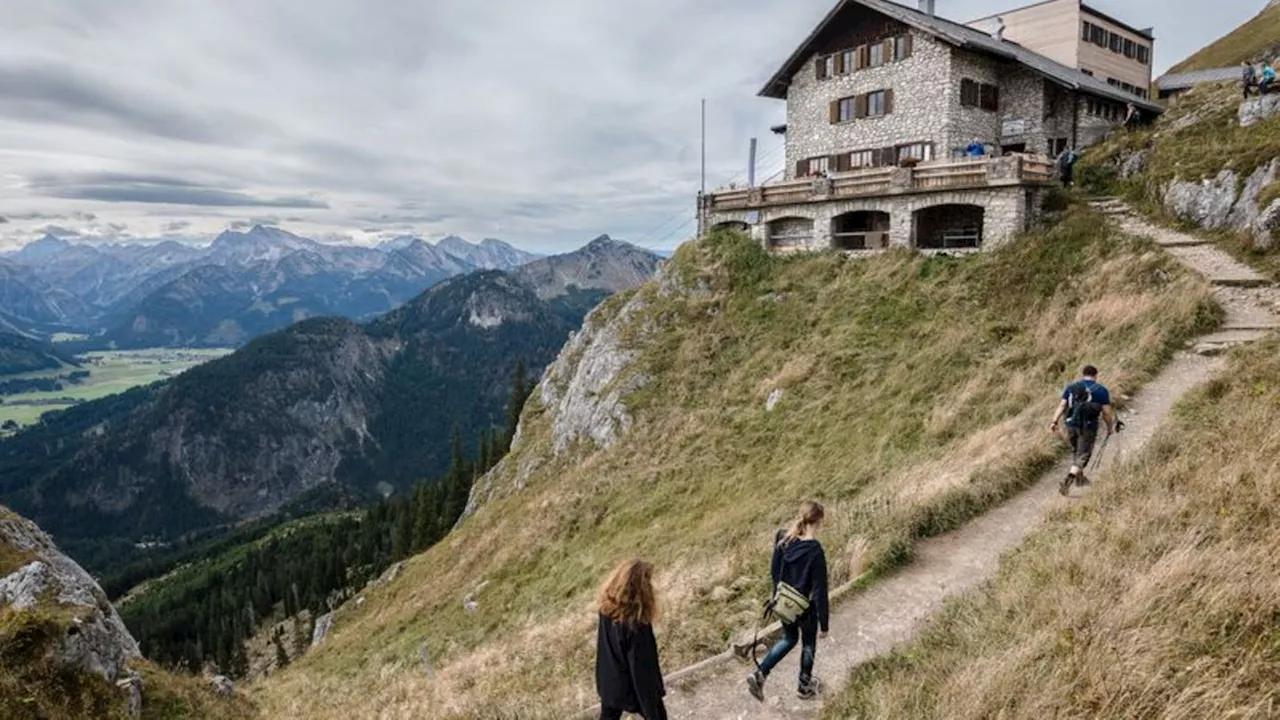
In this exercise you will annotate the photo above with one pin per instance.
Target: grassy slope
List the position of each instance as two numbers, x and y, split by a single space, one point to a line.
1155 597
1199 137
916 391
1251 41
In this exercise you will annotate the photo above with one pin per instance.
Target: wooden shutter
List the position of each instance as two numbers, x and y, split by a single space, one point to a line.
888 101
820 68
888 51
840 68
841 162
860 106
909 45
866 55
802 168
888 157
834 111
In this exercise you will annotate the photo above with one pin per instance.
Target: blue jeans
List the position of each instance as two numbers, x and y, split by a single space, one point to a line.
804 631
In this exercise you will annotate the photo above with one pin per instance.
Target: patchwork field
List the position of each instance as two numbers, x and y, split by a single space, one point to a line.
110 372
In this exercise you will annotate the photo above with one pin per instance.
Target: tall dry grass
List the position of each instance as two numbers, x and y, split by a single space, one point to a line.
915 394
1158 597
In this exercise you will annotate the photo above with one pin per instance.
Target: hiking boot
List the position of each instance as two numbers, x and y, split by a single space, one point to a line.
1065 486
808 689
755 684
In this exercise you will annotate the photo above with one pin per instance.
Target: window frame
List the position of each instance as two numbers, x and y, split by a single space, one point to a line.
851 104
875 55
906 150
883 97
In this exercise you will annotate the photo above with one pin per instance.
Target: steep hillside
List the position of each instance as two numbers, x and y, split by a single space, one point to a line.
686 421
1156 597
64 653
20 354
325 401
1208 163
1256 39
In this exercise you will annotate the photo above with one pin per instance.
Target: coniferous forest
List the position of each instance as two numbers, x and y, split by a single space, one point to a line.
199 617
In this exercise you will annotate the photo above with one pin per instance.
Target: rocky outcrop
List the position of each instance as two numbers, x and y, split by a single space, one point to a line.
96 640
1255 110
324 624
584 388
1223 202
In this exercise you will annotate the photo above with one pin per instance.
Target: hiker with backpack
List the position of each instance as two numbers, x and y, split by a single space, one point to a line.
799 571
1086 405
628 675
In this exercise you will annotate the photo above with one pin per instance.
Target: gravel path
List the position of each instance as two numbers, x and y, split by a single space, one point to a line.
895 608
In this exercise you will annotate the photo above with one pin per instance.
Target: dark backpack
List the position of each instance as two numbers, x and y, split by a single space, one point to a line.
1083 411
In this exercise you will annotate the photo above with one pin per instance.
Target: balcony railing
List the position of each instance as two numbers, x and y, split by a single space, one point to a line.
924 177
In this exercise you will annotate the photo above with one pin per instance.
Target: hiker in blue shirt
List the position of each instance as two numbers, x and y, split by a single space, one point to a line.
976 149
1086 405
1268 78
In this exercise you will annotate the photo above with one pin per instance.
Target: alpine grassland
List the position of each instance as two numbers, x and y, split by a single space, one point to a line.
909 394
1155 597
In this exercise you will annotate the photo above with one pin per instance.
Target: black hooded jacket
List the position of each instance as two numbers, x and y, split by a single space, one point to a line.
802 564
628 676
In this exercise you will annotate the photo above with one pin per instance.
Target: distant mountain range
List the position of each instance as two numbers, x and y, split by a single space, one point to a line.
240 286
326 404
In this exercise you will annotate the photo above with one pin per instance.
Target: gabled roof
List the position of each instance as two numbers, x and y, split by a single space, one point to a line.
961 36
1182 81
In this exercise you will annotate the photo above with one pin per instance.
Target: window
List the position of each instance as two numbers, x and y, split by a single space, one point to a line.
877 103
876 55
862 159
1097 36
825 66
1057 146
922 151
812 166
1117 43
902 46
846 62
1084 33
1087 72
979 95
1130 48
846 109
1144 54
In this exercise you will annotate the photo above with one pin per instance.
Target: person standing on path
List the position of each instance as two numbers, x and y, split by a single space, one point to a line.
1086 404
1248 77
1066 166
628 675
800 567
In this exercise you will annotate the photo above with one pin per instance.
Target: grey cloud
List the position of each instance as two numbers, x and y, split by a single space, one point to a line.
3 220
118 227
265 220
240 224
115 187
177 225
60 94
60 231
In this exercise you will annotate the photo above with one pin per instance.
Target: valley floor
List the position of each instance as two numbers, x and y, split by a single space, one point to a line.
896 608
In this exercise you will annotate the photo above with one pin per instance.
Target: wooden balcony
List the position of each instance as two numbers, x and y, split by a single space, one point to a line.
934 176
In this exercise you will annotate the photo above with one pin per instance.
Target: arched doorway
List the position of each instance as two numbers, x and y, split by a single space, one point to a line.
860 230
732 226
949 226
791 233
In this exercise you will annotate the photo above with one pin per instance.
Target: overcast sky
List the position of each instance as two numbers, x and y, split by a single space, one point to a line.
543 122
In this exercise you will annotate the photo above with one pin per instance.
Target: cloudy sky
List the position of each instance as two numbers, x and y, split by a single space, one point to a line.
543 122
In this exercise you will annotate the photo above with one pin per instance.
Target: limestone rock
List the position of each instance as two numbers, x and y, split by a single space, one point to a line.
131 686
324 624
222 685
1246 209
721 594
774 398
1208 202
96 641
1255 110
1266 225
584 388
1133 163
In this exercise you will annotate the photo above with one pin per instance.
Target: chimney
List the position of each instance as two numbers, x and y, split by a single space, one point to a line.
926 7
998 33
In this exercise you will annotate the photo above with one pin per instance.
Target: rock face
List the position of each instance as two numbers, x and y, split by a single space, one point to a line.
96 641
324 624
585 386
1216 204
1255 110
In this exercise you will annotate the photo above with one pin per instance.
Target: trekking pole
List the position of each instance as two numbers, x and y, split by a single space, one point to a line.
1096 462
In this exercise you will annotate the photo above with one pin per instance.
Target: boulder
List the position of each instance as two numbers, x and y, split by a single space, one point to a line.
1255 110
222 685
96 640
1266 225
1133 163
772 401
1246 209
1207 202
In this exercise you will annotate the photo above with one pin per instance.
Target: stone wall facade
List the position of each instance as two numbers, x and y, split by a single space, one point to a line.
1033 112
1007 211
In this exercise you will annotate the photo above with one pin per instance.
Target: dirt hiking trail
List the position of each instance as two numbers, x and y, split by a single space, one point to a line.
895 608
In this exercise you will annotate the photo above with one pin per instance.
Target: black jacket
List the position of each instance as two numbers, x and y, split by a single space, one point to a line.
803 565
627 673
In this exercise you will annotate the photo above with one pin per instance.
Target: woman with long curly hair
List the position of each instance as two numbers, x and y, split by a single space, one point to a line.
628 676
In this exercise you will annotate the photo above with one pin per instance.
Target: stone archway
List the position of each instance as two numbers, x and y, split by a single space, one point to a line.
791 233
860 230
732 225
948 227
